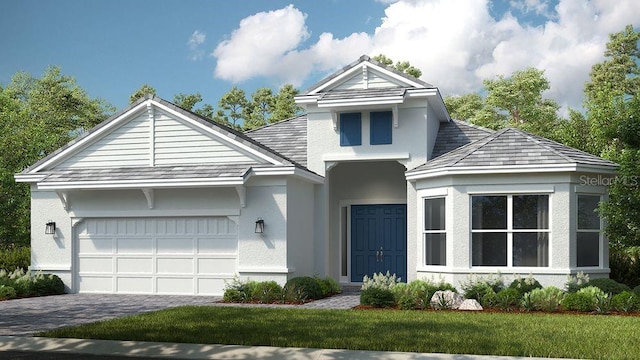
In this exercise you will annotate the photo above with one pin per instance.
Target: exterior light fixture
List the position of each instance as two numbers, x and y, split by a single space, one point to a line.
50 228
259 226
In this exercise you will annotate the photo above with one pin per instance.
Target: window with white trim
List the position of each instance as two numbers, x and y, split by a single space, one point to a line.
510 230
434 234
588 237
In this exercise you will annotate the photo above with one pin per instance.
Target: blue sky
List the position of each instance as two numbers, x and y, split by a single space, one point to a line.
112 47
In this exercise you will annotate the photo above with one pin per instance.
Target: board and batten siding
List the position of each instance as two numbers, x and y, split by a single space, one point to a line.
374 81
170 142
128 145
177 143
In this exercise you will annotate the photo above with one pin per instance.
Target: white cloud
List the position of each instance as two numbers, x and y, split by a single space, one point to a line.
456 43
195 41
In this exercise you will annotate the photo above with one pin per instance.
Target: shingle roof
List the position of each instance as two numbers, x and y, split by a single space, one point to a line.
512 147
362 59
454 134
287 137
148 173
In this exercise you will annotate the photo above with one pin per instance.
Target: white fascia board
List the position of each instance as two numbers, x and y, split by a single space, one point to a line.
137 184
393 75
424 92
286 171
306 99
361 102
91 137
338 78
367 157
223 137
479 170
29 178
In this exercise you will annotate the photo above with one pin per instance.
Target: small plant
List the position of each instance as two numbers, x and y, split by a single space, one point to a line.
603 303
380 280
507 299
626 301
608 286
545 299
575 283
525 285
7 292
489 299
328 285
478 287
377 297
15 257
308 285
267 292
636 290
239 291
586 299
294 294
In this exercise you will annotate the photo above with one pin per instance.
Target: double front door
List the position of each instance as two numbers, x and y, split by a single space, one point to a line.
378 240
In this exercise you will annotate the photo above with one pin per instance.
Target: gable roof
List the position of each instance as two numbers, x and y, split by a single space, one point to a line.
47 175
454 134
287 137
511 150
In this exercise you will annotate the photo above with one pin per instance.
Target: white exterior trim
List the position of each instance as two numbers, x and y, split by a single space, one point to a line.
287 270
135 184
505 169
45 267
82 214
364 157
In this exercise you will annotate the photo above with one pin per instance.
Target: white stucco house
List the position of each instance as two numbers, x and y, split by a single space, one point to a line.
375 177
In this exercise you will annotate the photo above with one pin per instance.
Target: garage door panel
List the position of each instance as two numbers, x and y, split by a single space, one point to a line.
136 265
96 265
134 245
175 285
93 245
96 283
219 245
131 284
175 266
175 246
156 255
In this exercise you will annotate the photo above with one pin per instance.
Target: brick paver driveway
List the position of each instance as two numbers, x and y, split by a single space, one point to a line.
27 316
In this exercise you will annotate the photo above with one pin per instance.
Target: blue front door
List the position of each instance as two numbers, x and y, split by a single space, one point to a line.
378 240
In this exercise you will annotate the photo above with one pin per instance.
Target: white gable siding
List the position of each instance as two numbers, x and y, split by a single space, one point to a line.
374 80
127 145
178 143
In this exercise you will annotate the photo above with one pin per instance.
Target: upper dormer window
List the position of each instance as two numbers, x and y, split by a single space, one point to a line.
350 129
381 125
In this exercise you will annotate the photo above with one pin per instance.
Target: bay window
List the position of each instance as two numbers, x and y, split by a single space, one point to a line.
510 230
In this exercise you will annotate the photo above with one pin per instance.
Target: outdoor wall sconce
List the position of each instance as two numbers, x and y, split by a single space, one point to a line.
259 226
50 229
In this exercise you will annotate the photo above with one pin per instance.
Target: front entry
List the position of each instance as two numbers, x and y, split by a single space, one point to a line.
378 240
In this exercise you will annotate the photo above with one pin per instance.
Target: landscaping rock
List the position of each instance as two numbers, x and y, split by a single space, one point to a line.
471 305
446 299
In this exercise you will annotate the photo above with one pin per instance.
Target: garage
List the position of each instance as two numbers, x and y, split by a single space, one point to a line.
177 255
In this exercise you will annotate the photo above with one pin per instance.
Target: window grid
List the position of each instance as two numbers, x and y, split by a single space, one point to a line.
510 230
440 258
579 261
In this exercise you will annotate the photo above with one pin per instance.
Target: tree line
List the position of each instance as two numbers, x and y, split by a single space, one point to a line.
39 115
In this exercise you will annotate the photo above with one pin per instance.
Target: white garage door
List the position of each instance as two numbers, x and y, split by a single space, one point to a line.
156 255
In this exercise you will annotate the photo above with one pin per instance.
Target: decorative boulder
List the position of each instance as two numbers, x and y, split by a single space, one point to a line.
471 305
446 299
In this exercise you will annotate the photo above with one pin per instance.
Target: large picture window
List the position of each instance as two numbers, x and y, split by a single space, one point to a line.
435 237
510 230
588 231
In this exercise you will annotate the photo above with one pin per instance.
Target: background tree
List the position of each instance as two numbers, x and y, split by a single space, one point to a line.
143 91
231 107
189 101
472 108
258 111
402 66
37 116
284 106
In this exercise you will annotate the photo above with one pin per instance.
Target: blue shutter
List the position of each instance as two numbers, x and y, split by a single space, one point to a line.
381 127
350 129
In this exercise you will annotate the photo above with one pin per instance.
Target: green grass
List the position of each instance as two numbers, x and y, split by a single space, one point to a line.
528 334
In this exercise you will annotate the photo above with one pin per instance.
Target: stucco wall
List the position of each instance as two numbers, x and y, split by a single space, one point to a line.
300 227
457 190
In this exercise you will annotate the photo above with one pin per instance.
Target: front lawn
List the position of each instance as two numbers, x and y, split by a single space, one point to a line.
517 334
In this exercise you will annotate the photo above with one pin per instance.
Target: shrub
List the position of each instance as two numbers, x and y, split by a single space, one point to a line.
380 280
489 299
578 302
307 285
294 294
267 292
608 286
525 285
626 301
507 299
575 283
15 257
7 292
636 290
233 296
239 291
545 299
47 284
328 285
625 265
478 287
377 297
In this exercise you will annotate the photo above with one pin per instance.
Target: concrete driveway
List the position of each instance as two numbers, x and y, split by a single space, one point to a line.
22 317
